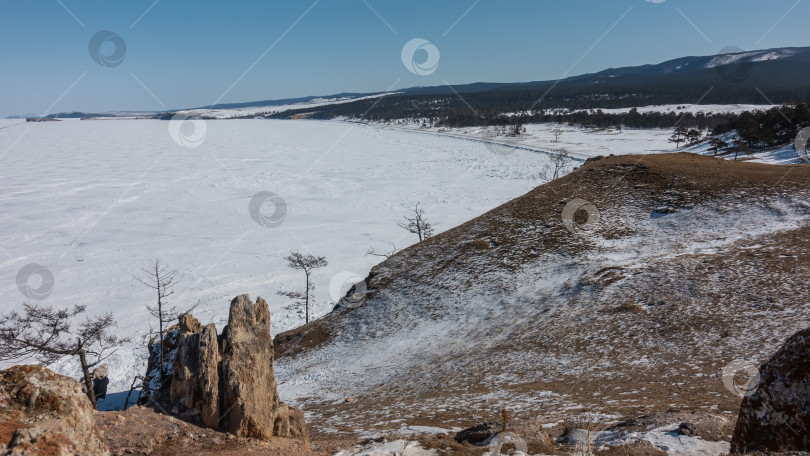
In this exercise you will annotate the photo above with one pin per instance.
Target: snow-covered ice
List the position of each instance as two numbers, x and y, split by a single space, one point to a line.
94 201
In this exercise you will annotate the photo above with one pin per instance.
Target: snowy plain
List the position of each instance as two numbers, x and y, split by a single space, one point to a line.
95 201
583 143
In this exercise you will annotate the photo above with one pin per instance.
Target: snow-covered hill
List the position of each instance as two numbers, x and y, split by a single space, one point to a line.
625 287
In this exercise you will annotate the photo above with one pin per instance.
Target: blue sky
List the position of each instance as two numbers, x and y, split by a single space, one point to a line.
193 53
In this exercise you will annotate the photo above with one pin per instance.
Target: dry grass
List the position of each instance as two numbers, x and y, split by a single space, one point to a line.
587 342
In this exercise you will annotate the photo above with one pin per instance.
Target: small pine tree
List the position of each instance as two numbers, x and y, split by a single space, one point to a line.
678 135
717 144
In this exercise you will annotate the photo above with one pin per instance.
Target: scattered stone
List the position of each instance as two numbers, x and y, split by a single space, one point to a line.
477 434
687 429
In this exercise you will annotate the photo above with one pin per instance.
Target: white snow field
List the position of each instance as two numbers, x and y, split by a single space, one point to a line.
583 143
270 109
96 201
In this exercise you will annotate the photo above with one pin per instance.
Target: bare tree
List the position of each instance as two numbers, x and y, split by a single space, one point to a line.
161 279
305 263
557 133
386 254
44 333
417 224
559 160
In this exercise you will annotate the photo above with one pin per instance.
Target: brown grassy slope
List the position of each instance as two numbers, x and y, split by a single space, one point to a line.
625 318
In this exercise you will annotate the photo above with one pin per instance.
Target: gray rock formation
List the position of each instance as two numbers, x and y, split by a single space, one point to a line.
100 381
209 376
249 397
42 412
228 380
775 417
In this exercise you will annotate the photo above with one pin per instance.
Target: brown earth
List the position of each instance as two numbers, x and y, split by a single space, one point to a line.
143 431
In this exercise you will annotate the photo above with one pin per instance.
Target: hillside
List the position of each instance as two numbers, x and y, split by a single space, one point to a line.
728 78
694 262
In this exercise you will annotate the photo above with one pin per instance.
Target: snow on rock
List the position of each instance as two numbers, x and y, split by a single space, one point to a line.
667 439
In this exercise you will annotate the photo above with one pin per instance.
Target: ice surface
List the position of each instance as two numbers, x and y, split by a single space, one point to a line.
94 201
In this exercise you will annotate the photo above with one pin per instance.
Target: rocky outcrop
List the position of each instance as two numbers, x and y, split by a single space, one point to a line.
776 415
227 381
184 387
209 376
43 413
249 401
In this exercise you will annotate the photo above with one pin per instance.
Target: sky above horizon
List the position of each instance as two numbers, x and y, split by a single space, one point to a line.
98 56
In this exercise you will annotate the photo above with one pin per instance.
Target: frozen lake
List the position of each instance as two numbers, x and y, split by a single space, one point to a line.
96 201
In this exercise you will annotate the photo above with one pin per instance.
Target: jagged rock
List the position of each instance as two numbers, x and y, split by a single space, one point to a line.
290 423
43 413
209 376
228 380
249 396
776 416
185 383
155 386
189 324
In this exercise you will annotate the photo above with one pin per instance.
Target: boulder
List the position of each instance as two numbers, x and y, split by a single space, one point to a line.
249 397
477 434
775 417
289 422
42 413
101 379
